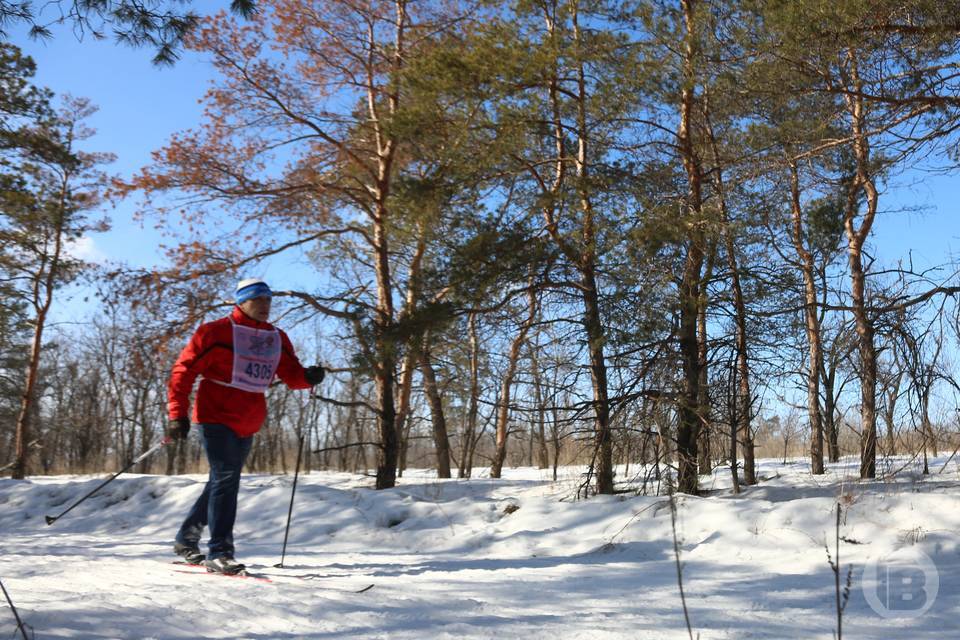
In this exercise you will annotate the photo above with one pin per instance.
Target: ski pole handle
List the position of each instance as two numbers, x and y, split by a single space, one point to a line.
149 452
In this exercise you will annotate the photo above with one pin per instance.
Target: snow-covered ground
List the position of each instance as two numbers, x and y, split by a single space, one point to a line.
513 558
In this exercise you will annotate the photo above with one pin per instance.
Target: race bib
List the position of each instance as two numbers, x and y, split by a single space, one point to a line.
256 354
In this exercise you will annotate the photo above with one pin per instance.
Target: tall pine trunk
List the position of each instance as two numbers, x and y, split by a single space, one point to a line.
830 427
856 237
22 432
587 265
384 364
743 418
441 441
688 429
603 440
543 455
812 324
384 358
704 462
506 386
405 385
582 252
473 406
41 300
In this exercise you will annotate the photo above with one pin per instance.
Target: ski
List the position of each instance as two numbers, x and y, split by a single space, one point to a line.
184 563
313 577
243 575
320 581
261 577
363 589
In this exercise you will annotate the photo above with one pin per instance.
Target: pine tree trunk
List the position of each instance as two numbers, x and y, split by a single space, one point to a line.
503 409
705 467
388 452
689 424
812 323
441 441
831 430
466 453
688 429
403 406
582 252
22 431
603 440
587 265
543 455
856 237
744 399
41 299
734 462
384 361
868 385
410 357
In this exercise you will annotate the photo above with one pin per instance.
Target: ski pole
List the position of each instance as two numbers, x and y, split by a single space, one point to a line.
290 510
167 440
16 614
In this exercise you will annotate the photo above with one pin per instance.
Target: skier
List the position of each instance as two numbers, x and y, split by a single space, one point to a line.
237 357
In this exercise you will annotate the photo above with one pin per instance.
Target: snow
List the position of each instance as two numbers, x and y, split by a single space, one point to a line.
481 558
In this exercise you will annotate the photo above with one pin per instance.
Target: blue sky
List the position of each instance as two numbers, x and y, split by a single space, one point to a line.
932 232
140 106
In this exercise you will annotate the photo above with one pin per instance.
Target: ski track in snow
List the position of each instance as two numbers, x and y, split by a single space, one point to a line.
449 561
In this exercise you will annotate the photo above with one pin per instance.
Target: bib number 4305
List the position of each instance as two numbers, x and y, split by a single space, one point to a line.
258 371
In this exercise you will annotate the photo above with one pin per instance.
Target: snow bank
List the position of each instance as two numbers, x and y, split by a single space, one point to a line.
485 558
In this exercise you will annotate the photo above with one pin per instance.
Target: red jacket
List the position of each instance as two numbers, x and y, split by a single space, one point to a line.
210 354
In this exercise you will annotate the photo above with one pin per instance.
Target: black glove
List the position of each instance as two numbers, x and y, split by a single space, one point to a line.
314 375
178 429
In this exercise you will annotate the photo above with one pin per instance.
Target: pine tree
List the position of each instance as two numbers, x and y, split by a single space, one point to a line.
47 189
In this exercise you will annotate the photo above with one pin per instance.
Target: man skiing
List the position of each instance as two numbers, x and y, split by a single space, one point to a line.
236 357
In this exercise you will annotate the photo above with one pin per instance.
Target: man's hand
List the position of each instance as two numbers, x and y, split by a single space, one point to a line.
314 375
178 429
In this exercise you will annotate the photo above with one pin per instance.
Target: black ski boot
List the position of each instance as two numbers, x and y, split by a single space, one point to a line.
190 554
226 565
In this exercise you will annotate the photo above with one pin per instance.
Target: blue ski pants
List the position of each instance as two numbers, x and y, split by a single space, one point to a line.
217 505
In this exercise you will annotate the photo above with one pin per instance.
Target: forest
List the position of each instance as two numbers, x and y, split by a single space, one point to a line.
632 235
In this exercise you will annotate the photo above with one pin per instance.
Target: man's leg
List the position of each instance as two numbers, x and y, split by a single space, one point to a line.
226 453
187 541
192 527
